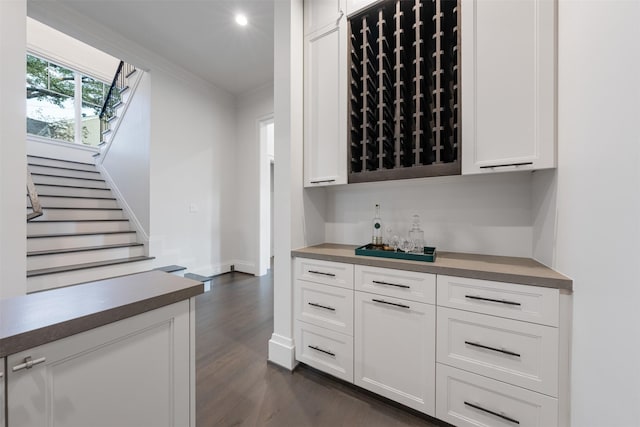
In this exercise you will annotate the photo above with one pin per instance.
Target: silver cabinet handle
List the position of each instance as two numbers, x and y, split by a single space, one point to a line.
501 301
381 301
486 347
28 363
316 348
488 411
326 307
379 282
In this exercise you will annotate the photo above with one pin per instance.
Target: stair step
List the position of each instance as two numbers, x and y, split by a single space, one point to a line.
76 214
112 118
65 172
49 161
124 89
131 73
106 132
76 202
38 226
47 179
70 191
74 162
43 242
69 257
178 270
49 278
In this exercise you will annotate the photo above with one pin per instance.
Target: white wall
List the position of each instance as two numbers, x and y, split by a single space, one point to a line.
489 214
13 165
127 159
598 197
50 43
192 171
251 108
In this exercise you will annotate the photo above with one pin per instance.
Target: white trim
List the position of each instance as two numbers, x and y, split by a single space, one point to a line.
125 206
125 106
244 266
282 351
213 270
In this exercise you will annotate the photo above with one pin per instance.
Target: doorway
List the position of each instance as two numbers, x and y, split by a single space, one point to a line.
266 126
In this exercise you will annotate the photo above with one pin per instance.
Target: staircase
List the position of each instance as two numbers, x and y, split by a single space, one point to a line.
83 234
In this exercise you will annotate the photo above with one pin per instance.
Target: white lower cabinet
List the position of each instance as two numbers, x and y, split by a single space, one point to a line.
466 399
394 349
2 387
131 373
469 352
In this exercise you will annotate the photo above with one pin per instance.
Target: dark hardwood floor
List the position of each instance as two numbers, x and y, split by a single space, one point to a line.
236 386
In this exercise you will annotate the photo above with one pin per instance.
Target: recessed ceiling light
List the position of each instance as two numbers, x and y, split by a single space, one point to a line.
241 19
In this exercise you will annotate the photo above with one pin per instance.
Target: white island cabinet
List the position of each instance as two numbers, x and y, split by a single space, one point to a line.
325 93
2 388
134 372
508 71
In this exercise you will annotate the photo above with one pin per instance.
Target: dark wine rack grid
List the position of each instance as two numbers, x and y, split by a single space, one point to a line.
404 114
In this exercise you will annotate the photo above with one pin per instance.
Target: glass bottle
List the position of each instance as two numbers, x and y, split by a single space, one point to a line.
377 228
417 235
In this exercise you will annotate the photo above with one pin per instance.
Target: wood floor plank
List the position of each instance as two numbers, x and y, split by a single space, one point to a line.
236 386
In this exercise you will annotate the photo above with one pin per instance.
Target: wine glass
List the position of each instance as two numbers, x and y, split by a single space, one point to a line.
406 245
394 242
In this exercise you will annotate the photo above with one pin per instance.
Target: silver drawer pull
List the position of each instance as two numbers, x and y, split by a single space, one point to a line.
322 273
390 303
500 301
28 363
506 165
316 348
326 307
378 282
500 350
322 180
497 414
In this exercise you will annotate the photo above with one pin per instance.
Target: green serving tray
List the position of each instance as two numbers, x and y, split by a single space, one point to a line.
429 254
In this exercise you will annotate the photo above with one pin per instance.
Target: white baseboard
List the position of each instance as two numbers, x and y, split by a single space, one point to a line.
282 351
245 267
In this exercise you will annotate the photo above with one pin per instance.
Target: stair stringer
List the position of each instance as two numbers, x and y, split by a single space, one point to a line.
128 212
133 86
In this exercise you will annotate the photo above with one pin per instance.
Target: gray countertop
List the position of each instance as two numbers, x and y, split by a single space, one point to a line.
525 271
32 320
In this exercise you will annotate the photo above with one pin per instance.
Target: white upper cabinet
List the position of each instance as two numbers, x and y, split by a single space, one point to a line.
508 85
356 5
325 93
319 14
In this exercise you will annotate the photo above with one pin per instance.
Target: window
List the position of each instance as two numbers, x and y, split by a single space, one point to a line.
62 103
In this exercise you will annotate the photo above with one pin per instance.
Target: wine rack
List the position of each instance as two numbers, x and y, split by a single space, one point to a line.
404 115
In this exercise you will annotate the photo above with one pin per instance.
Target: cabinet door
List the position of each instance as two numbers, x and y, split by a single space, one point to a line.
394 352
508 85
325 106
2 386
134 372
319 14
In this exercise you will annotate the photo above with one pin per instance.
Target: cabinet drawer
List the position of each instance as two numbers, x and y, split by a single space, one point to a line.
328 351
520 353
466 399
420 287
325 272
326 306
521 302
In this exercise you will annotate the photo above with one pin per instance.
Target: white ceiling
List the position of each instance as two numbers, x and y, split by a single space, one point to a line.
198 35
